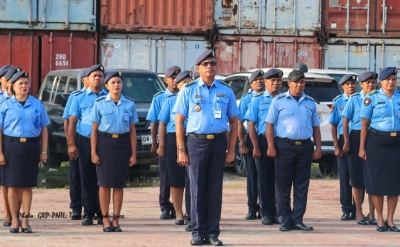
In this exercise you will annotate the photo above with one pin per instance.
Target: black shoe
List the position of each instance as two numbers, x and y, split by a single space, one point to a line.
100 221
284 227
76 217
188 226
173 214
87 221
165 214
381 228
251 216
26 230
259 215
7 223
266 220
362 222
214 241
179 222
353 215
371 221
108 229
303 227
275 220
14 230
117 229
196 241
391 228
345 216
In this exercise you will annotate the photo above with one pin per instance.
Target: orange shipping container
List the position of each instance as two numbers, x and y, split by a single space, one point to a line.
157 16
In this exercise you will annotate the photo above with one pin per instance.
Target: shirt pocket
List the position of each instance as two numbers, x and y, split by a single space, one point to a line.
11 115
86 108
106 116
382 110
263 111
222 103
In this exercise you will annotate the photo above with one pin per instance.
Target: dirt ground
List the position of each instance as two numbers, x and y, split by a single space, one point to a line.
142 227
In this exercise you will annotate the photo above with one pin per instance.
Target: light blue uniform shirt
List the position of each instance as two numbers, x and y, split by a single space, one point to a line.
23 121
352 110
114 119
292 119
336 116
383 112
4 95
81 108
156 105
244 104
258 111
216 105
68 106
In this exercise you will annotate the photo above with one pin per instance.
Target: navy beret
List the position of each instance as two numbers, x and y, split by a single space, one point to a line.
96 67
386 72
300 66
184 74
20 74
112 74
204 56
11 72
196 75
296 75
4 69
365 76
273 73
348 77
255 74
172 71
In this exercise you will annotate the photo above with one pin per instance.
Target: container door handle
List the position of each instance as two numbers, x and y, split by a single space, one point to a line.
273 16
384 16
347 55
369 54
348 17
383 54
294 17
368 13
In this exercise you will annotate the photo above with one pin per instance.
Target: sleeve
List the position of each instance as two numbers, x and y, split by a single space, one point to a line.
242 108
315 118
232 105
333 118
182 102
67 107
164 113
75 109
2 115
348 110
252 111
95 116
134 118
44 118
367 108
153 112
273 113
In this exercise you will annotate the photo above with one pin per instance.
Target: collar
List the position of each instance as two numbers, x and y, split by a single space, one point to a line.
15 101
345 96
121 99
167 92
267 94
201 83
289 95
89 91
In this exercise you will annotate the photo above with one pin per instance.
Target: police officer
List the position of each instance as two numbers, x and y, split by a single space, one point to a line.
208 105
348 83
293 119
74 173
23 138
80 110
3 80
246 147
256 114
167 148
351 113
380 146
113 143
7 92
167 209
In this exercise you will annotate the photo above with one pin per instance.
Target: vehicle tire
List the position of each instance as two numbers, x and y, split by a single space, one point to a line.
328 165
239 162
53 160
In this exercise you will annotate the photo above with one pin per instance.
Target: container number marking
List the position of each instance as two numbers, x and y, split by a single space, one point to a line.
302 53
61 60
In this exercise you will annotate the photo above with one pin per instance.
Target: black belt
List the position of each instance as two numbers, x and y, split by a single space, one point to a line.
295 142
114 136
356 131
382 133
84 138
207 136
21 139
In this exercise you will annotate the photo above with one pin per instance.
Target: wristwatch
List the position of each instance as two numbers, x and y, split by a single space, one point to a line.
182 149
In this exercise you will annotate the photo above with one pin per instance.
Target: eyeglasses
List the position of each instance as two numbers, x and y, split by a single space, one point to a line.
350 83
212 63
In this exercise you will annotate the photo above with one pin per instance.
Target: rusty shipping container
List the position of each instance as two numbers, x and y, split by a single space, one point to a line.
361 18
153 52
40 52
242 53
48 15
157 16
268 17
360 55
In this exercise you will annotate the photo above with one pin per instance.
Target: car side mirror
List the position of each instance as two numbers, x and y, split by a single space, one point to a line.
61 99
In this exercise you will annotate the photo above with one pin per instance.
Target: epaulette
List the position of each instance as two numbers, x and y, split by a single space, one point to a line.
79 92
75 92
100 98
192 82
172 95
226 84
258 94
129 98
4 100
281 95
372 92
337 97
311 98
158 93
354 94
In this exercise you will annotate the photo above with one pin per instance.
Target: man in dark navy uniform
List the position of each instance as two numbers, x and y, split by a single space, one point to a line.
208 105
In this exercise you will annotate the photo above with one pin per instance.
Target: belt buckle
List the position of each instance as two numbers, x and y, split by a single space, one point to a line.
210 137
393 134
115 136
297 143
22 139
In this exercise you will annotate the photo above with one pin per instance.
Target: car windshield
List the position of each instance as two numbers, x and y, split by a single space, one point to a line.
141 87
320 91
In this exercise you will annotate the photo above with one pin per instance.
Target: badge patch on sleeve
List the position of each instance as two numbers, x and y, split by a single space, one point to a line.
367 101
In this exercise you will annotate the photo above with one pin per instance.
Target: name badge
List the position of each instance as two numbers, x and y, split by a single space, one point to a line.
126 117
217 113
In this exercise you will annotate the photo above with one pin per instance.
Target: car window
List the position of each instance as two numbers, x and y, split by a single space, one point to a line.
45 96
72 84
141 87
320 91
237 84
59 88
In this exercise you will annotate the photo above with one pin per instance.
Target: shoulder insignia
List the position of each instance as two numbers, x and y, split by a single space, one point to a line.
4 100
226 84
172 95
309 97
354 94
280 95
367 101
100 98
190 82
158 93
337 97
258 94
372 92
247 94
79 92
128 98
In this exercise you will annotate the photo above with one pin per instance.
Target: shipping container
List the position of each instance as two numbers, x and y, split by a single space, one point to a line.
242 53
157 16
151 52
360 55
72 15
359 18
40 52
268 17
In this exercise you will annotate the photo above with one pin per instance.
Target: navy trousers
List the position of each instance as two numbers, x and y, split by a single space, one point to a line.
89 187
206 172
187 195
266 179
292 167
251 173
346 194
75 186
165 193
